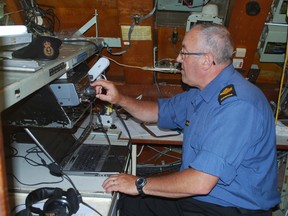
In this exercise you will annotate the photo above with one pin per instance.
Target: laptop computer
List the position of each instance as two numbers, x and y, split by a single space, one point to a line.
75 158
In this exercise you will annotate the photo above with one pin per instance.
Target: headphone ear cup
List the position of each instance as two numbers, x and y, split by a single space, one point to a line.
39 195
58 202
56 206
24 212
66 203
73 199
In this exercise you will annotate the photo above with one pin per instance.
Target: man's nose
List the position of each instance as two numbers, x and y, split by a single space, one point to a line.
179 58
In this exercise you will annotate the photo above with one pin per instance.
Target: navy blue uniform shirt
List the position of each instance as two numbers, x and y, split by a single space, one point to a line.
229 132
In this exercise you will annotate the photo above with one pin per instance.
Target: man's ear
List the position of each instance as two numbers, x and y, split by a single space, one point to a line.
208 61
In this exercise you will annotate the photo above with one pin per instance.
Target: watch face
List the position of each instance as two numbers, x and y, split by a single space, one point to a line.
140 181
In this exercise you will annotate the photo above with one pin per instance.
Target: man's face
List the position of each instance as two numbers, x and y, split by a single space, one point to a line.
190 58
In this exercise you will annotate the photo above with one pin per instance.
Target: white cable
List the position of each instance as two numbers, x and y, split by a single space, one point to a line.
140 152
158 69
163 153
103 76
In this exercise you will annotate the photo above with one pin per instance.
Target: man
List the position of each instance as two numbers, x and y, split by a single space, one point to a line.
229 164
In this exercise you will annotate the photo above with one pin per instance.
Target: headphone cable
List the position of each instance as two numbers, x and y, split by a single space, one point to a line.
79 195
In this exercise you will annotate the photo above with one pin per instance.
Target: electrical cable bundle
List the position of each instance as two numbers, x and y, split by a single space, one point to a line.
38 21
152 169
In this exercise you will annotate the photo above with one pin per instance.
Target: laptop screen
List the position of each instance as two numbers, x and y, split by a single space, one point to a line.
58 144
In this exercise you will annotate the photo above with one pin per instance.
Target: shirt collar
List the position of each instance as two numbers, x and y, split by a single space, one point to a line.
215 85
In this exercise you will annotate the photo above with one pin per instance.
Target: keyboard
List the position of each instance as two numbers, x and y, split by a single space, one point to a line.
90 158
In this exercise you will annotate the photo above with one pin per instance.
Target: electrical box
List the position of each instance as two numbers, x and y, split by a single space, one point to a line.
273 44
180 5
183 13
273 41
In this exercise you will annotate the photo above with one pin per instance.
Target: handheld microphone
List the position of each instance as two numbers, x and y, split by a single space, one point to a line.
98 68
94 73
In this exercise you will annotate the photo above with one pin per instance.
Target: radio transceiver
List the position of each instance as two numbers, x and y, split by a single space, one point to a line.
74 88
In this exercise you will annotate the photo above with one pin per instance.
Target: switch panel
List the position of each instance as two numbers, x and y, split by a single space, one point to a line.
237 63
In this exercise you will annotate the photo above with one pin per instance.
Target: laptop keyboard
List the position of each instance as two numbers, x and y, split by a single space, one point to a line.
90 158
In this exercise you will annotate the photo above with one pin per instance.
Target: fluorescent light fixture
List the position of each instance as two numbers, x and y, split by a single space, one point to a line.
12 30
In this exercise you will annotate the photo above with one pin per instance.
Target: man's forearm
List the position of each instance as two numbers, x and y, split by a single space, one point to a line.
189 182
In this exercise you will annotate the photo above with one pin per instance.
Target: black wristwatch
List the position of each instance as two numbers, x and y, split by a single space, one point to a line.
140 183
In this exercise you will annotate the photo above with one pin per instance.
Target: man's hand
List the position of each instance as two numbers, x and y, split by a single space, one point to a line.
111 94
146 111
123 183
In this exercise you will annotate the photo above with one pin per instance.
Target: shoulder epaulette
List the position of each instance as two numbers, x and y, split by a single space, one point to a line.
226 92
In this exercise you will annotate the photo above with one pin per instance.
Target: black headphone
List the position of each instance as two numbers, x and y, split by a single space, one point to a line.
59 202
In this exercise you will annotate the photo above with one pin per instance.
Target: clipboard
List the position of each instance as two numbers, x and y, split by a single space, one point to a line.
155 131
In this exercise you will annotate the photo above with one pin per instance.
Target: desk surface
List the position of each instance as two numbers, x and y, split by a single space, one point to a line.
282 143
141 136
145 138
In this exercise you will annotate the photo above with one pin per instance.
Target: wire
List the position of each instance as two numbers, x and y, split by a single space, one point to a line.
123 123
129 144
160 153
13 12
123 65
160 165
28 160
103 76
31 162
35 184
136 20
129 42
103 130
284 96
14 152
84 203
281 85
147 170
64 176
108 139
168 150
44 164
99 47
79 195
158 69
37 20
141 150
155 73
151 13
